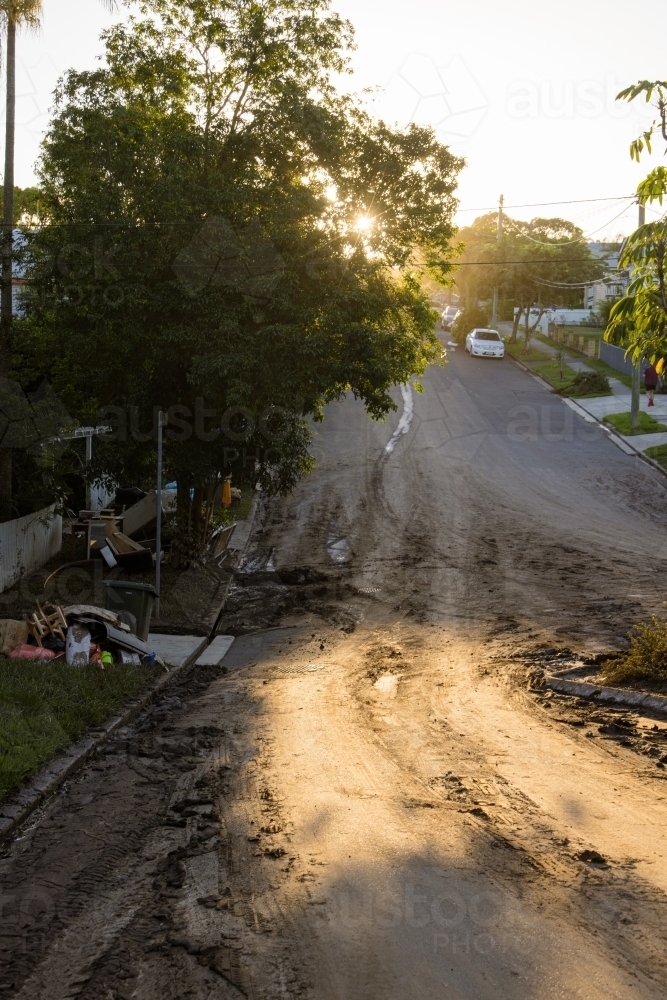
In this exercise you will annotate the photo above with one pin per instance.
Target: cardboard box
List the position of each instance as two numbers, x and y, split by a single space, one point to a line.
12 634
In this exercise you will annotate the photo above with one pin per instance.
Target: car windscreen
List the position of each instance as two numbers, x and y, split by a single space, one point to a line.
486 335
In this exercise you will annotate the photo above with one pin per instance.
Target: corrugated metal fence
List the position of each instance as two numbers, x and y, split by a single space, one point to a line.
27 543
615 358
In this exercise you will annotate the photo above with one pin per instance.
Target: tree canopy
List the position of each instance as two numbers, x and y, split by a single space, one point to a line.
230 240
542 262
639 319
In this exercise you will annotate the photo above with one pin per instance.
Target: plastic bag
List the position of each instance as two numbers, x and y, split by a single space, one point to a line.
26 652
77 648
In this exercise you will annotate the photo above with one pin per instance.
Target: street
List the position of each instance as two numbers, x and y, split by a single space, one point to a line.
370 803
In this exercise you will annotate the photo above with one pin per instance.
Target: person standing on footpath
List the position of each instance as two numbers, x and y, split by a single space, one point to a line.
650 381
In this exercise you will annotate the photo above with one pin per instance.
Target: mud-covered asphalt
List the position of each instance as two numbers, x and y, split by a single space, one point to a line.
373 800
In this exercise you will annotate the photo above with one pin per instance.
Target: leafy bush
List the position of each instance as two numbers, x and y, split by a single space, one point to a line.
469 318
646 660
585 384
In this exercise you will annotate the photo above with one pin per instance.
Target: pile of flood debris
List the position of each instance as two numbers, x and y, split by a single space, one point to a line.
80 634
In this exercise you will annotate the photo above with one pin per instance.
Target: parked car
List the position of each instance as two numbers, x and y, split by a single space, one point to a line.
485 343
448 317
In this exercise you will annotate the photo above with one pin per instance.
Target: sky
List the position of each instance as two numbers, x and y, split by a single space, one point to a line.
523 90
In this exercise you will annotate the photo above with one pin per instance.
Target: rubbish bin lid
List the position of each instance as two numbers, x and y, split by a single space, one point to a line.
130 585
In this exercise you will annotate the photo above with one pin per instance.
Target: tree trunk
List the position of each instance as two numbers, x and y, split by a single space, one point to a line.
197 516
515 327
527 329
534 326
6 343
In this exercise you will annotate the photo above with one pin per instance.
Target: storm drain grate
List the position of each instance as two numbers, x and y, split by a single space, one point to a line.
300 668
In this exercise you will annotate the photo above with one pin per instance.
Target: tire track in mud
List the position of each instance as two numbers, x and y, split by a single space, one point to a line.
92 891
530 854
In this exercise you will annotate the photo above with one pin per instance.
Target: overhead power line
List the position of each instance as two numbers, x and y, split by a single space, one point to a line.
543 204
584 238
573 284
528 263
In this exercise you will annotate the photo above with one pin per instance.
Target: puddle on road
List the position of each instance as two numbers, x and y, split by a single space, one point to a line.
405 419
388 684
338 549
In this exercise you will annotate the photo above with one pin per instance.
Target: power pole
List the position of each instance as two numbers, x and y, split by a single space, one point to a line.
6 291
162 420
634 402
636 365
499 233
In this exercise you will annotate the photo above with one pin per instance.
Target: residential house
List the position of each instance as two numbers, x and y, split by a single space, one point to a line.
615 282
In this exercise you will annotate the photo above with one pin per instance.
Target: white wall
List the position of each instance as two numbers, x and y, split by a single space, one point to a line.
27 543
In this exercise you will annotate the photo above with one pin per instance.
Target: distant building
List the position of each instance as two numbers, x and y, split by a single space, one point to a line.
615 282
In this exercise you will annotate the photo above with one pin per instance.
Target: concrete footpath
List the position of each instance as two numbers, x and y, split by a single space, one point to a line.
600 407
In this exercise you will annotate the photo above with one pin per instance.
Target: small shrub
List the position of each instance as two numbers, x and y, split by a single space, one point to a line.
585 384
646 660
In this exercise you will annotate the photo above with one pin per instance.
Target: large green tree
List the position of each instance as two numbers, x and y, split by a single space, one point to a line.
542 263
638 321
232 241
14 15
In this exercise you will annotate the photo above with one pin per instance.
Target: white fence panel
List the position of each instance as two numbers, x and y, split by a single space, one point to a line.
27 543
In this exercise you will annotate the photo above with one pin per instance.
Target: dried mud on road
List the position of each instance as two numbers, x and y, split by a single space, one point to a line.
375 798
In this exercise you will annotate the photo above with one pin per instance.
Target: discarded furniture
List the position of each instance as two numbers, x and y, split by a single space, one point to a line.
126 551
48 620
220 540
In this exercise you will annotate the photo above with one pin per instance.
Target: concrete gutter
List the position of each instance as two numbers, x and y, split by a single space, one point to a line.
216 613
607 695
621 442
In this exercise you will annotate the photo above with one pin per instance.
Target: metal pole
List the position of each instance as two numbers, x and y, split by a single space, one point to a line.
634 404
499 233
89 458
636 366
161 422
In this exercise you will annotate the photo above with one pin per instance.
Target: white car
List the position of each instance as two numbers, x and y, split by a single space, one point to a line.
448 317
485 344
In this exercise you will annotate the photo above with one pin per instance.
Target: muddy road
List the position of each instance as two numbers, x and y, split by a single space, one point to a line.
372 801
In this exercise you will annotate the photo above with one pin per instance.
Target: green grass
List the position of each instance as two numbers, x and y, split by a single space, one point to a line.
659 453
45 706
647 424
551 372
517 351
596 363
